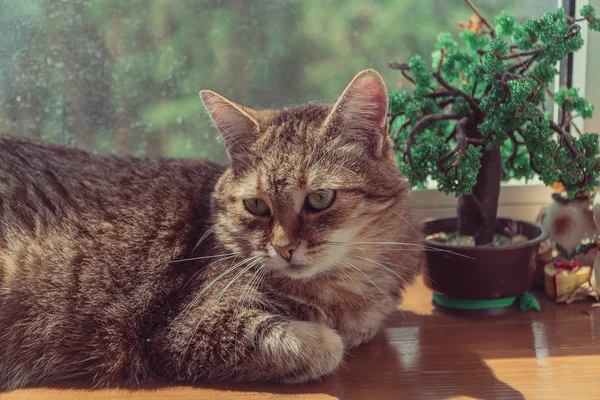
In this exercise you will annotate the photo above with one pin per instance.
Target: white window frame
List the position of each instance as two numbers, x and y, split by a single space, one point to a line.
587 68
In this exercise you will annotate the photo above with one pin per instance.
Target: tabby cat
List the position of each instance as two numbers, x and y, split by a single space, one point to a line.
121 271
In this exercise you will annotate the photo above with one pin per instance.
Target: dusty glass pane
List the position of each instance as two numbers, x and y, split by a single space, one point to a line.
122 77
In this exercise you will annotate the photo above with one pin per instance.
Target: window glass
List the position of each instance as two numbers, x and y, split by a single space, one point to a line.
122 77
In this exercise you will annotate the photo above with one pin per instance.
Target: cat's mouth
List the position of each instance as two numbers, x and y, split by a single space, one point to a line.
303 264
297 267
298 271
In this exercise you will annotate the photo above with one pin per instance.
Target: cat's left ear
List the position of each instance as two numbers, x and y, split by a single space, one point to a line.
236 124
360 114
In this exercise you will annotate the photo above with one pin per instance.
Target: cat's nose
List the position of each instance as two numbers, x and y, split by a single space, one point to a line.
286 251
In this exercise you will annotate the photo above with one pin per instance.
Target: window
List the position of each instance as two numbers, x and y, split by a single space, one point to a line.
123 77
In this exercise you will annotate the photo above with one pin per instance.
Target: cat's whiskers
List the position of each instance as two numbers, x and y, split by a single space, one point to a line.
377 262
245 292
402 250
376 286
253 283
259 274
419 246
381 265
339 268
208 266
418 272
358 258
263 277
194 301
341 245
203 237
419 233
351 246
216 300
205 257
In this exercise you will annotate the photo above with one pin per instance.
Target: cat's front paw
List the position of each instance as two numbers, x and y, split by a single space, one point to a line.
352 339
303 351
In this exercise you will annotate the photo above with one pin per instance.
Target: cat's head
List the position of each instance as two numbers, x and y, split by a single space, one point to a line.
306 184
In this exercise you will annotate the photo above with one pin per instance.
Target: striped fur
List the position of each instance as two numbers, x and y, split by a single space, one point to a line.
126 271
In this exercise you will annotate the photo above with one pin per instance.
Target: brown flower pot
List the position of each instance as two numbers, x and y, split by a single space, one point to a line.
481 273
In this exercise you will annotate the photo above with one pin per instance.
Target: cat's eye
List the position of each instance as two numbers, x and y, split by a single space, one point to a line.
257 207
320 200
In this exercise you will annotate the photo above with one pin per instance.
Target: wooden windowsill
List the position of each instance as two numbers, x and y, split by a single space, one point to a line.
423 354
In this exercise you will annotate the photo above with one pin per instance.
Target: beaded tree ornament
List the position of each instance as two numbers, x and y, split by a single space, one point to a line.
477 117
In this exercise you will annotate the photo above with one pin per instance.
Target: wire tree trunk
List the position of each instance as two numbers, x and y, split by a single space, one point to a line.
477 212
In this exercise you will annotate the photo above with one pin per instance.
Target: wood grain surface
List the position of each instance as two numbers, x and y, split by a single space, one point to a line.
424 354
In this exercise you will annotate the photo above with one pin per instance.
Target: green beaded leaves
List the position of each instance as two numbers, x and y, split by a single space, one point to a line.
421 75
496 84
569 99
505 24
574 165
589 14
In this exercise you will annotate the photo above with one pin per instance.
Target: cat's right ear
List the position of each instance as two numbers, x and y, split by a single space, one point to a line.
235 123
360 114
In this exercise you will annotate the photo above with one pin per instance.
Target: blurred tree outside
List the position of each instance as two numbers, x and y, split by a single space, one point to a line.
122 77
